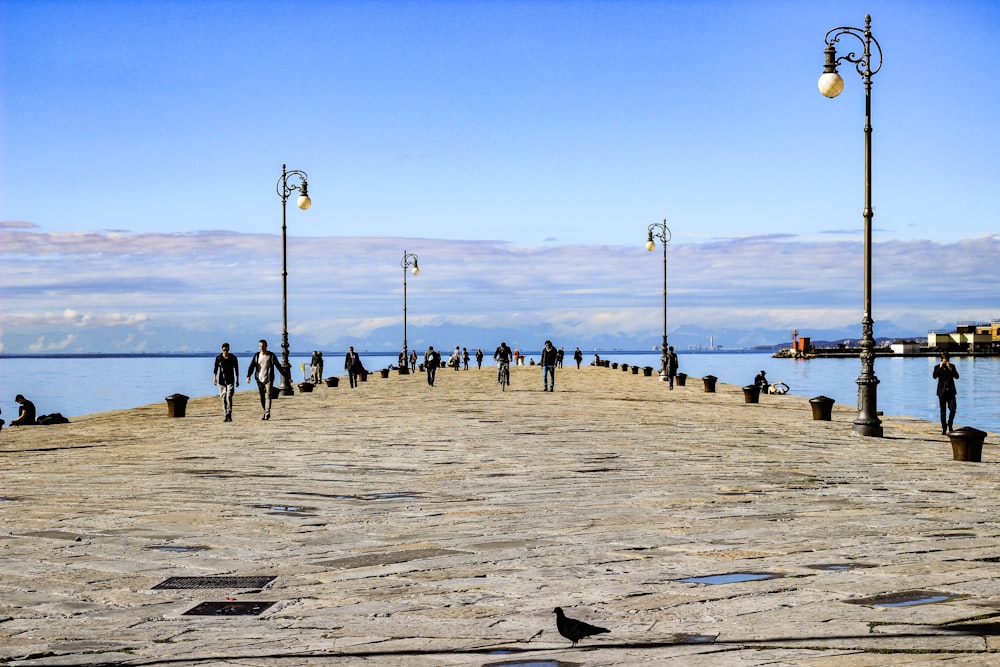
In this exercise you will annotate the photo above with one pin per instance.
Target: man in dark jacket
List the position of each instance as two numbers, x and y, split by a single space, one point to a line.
945 373
549 354
432 359
226 375
353 366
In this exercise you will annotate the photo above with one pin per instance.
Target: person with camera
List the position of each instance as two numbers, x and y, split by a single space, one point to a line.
945 373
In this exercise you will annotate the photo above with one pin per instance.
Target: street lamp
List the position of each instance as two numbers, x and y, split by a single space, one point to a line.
284 190
830 85
409 259
664 235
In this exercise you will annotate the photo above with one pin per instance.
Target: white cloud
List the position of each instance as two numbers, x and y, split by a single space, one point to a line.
42 345
208 282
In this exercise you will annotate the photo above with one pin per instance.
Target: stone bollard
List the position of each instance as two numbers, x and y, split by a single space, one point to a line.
332 381
305 387
682 379
635 370
404 370
751 394
822 408
709 381
967 444
647 371
176 405
624 367
384 372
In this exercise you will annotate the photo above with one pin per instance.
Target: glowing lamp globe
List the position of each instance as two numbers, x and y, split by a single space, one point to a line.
831 84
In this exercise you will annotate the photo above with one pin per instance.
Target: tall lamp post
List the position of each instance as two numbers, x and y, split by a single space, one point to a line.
664 235
831 84
409 259
284 189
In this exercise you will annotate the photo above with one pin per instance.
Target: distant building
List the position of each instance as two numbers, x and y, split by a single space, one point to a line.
905 347
975 337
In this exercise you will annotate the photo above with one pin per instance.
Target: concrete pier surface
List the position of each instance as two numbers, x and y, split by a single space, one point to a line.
402 524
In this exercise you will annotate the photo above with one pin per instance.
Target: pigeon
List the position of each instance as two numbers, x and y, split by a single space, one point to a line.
574 630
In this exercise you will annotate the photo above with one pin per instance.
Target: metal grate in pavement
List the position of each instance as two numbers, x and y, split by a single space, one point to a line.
214 582
228 608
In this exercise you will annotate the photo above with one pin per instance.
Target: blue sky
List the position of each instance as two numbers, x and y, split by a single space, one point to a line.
536 139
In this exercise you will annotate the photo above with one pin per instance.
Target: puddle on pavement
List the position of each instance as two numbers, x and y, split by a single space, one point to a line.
294 510
839 567
731 578
532 663
368 497
906 599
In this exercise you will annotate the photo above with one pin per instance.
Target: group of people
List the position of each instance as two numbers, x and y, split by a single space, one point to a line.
265 365
263 368
550 360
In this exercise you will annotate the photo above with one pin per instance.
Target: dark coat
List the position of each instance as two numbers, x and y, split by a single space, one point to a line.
946 380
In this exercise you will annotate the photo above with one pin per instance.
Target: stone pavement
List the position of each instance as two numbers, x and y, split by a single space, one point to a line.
409 525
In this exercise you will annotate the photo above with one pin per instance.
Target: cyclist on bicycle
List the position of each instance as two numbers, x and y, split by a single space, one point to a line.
502 356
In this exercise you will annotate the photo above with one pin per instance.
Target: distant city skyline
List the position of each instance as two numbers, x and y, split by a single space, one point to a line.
521 149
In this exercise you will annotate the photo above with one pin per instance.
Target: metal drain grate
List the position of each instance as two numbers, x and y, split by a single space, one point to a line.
229 608
214 582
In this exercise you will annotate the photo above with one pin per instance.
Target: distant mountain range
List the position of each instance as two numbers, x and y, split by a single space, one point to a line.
447 336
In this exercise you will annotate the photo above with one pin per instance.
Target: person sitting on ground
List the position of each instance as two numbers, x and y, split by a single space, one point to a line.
27 415
761 382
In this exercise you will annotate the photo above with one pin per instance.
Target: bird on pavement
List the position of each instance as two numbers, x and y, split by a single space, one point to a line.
574 630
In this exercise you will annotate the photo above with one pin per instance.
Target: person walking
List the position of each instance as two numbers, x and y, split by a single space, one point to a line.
432 359
479 357
413 361
560 353
465 358
671 365
353 366
262 367
945 373
578 357
26 415
548 361
226 376
316 367
456 359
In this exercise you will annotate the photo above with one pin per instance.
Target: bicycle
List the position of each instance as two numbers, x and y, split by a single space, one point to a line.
503 374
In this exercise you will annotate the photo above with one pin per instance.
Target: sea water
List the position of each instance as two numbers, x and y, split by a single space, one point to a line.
76 386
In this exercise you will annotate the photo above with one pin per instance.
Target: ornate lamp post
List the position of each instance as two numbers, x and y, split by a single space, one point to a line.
409 259
664 235
284 190
830 85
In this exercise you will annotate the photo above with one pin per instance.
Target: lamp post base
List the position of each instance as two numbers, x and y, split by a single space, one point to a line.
867 422
871 430
286 389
